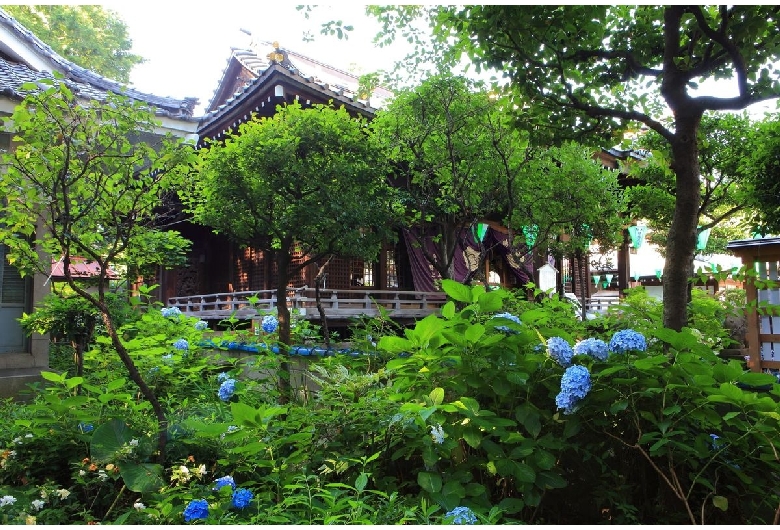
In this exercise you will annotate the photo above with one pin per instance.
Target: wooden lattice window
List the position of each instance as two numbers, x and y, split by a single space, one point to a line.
392 270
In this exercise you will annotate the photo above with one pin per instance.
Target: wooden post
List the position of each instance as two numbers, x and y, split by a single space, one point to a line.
761 256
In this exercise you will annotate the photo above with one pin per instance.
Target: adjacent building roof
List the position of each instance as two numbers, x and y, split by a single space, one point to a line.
80 268
25 58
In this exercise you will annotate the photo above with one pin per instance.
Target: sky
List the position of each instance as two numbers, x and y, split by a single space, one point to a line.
187 44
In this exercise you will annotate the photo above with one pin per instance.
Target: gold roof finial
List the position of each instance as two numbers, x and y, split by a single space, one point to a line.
275 56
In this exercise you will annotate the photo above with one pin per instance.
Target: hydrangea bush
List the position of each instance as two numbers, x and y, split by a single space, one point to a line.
456 421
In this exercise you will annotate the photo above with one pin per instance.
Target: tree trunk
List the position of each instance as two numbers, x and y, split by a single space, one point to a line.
681 243
318 279
283 314
148 393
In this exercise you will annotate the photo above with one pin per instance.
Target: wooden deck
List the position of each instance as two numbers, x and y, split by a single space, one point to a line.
339 304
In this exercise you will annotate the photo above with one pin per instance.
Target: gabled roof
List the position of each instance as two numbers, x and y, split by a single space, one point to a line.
254 85
275 85
253 64
25 58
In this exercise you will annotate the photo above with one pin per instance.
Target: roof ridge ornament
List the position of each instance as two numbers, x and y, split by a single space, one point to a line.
277 55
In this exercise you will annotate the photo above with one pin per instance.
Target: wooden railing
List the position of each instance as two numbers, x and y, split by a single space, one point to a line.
337 303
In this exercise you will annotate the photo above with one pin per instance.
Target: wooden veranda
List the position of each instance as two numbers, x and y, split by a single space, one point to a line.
339 304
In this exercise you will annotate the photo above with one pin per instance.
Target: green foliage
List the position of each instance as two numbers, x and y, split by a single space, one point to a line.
93 37
763 167
97 191
596 70
319 188
440 137
726 144
459 410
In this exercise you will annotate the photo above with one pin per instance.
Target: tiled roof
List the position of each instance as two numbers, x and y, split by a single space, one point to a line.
338 85
80 268
337 95
83 82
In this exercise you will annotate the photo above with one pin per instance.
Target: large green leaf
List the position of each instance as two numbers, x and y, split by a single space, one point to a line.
109 439
430 482
457 291
142 478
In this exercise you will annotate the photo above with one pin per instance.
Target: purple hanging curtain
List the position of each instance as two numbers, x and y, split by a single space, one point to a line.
424 275
521 265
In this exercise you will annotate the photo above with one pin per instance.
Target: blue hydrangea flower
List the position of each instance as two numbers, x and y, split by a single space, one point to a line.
596 348
86 427
200 325
575 385
461 515
181 344
508 316
171 312
437 433
226 389
560 350
221 482
270 323
241 498
223 376
627 340
196 509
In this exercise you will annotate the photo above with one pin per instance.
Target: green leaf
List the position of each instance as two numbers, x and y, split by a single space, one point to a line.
720 502
142 478
474 332
472 436
448 310
437 396
757 379
430 482
108 439
491 301
393 344
53 377
470 405
457 291
361 481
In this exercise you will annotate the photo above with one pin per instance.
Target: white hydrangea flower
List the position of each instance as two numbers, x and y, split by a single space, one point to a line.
63 493
139 506
38 504
7 500
133 443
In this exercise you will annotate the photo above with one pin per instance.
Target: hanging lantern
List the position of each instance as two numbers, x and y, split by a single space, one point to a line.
480 231
636 276
702 238
609 279
637 233
659 273
530 233
596 278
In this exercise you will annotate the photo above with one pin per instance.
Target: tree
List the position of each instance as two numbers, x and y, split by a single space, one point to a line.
763 170
89 35
307 180
439 139
726 145
560 199
597 68
91 181
461 160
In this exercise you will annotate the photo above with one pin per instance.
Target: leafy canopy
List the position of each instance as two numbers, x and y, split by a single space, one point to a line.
312 176
89 35
89 180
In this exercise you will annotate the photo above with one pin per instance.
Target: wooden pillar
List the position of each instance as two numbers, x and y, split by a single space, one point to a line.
624 264
380 274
